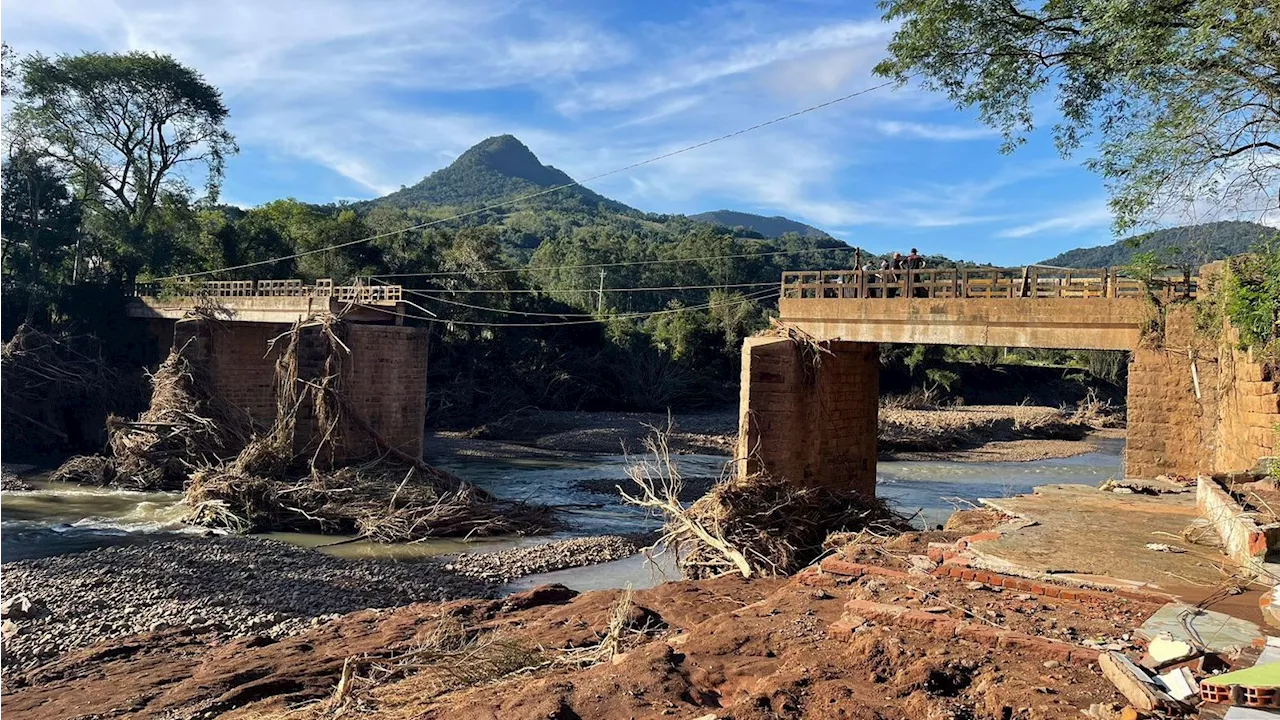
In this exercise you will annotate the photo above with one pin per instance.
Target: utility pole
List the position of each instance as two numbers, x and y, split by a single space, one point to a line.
600 295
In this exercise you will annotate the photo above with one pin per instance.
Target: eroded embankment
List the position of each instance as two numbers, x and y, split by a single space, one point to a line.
728 647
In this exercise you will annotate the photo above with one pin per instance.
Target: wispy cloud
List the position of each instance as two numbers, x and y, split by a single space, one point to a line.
371 96
927 131
1089 215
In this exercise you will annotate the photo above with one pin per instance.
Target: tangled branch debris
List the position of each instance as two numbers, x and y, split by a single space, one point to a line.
294 476
753 525
449 657
52 386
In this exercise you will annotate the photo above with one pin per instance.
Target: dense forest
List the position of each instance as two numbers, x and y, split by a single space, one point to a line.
1191 245
775 226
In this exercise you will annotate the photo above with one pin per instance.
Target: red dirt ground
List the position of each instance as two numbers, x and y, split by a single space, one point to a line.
724 648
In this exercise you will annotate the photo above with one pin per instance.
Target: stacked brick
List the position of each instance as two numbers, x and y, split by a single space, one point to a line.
810 417
384 379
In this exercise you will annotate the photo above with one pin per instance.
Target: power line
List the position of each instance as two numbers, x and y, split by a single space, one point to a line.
528 313
540 193
705 306
544 291
619 263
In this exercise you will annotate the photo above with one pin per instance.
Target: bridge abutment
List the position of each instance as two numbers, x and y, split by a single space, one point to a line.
810 416
1198 405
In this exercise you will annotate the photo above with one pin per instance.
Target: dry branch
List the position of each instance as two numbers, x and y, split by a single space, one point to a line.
753 525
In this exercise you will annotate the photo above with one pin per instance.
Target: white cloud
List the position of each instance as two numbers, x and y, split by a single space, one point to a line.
1089 215
697 68
926 131
383 93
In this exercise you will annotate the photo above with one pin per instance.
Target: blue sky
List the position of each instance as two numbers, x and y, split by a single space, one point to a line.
332 99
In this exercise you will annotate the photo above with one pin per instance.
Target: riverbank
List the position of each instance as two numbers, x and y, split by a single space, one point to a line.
221 587
980 433
814 645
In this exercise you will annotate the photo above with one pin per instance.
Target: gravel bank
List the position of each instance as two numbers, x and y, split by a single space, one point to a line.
11 482
222 586
517 562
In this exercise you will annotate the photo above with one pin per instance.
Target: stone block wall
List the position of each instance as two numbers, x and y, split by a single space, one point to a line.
812 423
1226 427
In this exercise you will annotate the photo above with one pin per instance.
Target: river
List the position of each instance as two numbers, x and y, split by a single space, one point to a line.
59 518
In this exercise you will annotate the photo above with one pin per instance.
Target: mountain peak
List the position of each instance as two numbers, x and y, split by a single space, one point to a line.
775 226
506 155
496 169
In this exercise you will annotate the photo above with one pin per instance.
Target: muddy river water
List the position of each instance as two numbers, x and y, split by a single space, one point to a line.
55 519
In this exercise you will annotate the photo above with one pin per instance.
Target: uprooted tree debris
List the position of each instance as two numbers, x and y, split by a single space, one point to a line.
56 391
292 476
753 525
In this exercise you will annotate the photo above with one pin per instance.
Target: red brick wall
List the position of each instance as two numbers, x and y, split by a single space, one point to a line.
386 383
384 379
813 424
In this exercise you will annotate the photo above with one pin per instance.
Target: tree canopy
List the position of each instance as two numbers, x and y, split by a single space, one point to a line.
1183 95
125 128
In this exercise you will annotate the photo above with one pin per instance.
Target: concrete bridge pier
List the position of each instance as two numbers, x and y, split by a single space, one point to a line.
810 416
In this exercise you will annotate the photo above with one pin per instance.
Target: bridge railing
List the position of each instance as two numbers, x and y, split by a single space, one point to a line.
977 282
323 288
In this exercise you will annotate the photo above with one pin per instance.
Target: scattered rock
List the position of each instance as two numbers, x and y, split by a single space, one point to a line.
221 587
16 608
505 565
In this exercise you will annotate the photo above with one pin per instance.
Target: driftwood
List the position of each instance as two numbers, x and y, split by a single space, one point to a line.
753 525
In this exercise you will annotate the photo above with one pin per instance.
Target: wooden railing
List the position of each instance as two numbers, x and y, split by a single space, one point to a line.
324 288
973 282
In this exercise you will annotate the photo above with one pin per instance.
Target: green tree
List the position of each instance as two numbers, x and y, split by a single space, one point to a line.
1184 95
8 69
128 129
40 221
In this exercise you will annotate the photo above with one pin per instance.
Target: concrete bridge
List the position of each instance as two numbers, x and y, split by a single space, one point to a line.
228 327
811 415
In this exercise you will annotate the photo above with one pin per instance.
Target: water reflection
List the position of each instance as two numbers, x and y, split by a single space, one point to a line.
65 518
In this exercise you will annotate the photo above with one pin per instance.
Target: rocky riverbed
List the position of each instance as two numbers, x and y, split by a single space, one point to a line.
507 565
220 586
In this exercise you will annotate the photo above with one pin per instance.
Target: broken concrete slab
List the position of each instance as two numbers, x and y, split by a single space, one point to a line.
1082 536
1179 683
1133 682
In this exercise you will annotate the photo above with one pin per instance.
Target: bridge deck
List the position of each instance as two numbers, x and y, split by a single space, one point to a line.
1002 307
274 301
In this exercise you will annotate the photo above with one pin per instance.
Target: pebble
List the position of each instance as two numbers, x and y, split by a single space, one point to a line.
201 582
1051 664
505 565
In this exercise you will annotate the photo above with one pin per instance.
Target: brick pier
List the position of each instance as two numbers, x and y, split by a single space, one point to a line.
810 416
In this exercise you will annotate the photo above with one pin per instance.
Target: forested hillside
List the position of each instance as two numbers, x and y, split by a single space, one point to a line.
1191 244
775 226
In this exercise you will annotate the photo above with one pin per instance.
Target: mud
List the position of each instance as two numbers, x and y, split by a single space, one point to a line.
728 648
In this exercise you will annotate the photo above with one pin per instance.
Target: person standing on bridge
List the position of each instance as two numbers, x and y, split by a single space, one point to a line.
897 265
915 261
